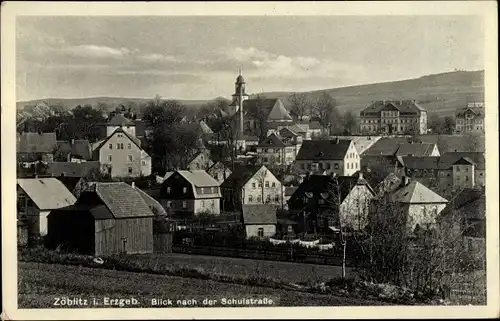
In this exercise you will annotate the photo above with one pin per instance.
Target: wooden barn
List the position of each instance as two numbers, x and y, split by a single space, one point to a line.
107 219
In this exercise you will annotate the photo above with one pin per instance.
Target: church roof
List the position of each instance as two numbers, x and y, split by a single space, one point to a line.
279 112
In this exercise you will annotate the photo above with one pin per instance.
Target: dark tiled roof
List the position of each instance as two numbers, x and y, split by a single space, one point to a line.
120 120
272 141
140 128
317 184
99 212
259 214
287 132
69 169
64 146
470 202
240 176
478 111
454 143
289 190
37 143
415 149
386 146
323 149
136 140
81 148
400 105
152 203
447 160
426 162
123 200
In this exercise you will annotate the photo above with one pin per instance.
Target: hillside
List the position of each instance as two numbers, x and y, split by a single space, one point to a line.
440 93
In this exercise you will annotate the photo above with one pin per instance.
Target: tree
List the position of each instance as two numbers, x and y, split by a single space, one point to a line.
350 123
259 112
298 105
325 108
87 121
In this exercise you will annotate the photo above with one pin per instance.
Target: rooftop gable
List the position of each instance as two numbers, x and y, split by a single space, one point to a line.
279 112
122 200
417 193
120 120
47 193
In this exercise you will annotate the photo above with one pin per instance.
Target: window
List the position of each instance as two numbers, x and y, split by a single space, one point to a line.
129 145
184 204
260 184
268 198
110 146
253 185
184 190
259 199
250 198
202 203
212 203
110 158
267 184
21 203
320 201
129 158
212 190
274 184
169 204
328 166
130 170
169 189
143 163
458 168
466 178
290 229
467 169
303 166
276 198
336 165
261 232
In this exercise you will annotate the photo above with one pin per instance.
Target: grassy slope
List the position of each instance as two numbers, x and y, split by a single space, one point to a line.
441 93
282 271
38 284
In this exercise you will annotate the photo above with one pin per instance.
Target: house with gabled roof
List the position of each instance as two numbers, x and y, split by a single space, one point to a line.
31 147
107 219
470 119
337 156
120 121
219 171
324 201
394 117
418 203
276 150
464 220
188 193
251 185
200 160
36 198
259 220
121 155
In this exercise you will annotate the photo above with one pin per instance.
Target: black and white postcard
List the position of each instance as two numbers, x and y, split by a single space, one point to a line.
249 160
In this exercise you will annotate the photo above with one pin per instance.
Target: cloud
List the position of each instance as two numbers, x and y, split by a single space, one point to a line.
267 65
97 51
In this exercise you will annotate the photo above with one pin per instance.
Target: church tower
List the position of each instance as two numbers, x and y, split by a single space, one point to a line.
239 97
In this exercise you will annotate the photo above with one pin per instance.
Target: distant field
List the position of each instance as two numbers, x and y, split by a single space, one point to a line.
39 285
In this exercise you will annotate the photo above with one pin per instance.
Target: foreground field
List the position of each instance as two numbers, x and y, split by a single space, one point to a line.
40 284
282 271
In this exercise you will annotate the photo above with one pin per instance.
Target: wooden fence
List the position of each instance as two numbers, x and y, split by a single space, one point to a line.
262 254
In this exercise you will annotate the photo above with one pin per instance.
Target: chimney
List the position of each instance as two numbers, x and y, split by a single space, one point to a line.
360 175
337 140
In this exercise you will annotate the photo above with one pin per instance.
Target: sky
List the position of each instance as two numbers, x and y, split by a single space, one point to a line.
199 57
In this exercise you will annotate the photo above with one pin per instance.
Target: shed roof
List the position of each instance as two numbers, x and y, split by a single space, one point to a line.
122 200
47 193
259 214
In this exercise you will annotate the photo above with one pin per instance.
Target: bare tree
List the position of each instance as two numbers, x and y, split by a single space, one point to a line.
325 108
298 105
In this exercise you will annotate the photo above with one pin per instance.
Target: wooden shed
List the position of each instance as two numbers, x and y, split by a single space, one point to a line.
110 218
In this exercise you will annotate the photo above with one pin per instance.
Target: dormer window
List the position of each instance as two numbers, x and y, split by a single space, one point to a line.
184 190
